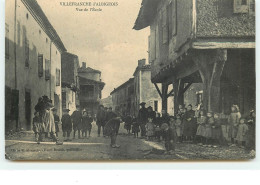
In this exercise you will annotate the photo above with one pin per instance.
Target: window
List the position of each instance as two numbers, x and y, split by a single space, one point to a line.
156 106
26 47
57 77
7 41
87 91
47 70
63 100
252 7
40 65
241 6
27 16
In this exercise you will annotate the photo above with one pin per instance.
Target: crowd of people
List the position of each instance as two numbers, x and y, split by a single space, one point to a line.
188 125
193 125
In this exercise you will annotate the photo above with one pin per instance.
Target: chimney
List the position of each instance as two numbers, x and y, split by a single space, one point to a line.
141 62
83 64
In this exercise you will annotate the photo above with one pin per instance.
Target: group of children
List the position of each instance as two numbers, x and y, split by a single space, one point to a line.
197 126
79 121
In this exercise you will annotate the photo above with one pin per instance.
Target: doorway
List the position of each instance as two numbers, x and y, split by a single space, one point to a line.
28 109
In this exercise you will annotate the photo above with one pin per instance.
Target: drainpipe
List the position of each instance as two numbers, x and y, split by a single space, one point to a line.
15 65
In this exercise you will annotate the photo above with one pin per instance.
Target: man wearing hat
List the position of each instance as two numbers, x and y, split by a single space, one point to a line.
143 118
111 129
77 121
101 119
66 125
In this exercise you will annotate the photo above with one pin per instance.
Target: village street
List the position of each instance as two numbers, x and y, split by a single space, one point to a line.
23 147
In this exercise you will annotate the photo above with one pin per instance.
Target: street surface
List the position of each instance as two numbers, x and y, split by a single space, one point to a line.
23 147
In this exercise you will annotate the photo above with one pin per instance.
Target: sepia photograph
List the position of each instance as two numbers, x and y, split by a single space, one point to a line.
130 80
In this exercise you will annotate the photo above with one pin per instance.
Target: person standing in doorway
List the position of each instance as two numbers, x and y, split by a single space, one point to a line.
142 118
77 122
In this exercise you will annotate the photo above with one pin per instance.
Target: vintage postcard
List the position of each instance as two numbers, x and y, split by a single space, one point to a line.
130 80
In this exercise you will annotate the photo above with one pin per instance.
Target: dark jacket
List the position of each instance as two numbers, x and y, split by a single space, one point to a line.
143 116
56 120
110 115
101 117
112 127
66 123
86 123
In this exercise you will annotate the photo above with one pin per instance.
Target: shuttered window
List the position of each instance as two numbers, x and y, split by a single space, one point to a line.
26 47
57 77
152 46
40 65
47 70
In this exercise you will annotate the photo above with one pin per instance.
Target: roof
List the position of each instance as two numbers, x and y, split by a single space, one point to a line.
38 14
88 70
83 80
146 14
143 68
131 80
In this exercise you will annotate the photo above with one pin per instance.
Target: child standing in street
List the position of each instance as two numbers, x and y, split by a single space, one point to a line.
178 126
216 131
208 128
233 121
201 121
135 128
169 137
241 133
150 129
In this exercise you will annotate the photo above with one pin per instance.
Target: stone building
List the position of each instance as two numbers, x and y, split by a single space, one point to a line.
130 94
69 81
32 62
107 102
91 87
123 97
211 42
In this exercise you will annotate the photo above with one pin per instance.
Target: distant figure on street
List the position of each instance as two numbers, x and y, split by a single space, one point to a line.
169 137
101 119
111 130
66 125
128 123
189 124
77 124
57 121
38 127
143 118
86 124
135 127
150 129
233 121
151 113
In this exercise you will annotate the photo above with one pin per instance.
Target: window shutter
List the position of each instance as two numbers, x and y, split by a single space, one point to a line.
7 41
169 20
241 6
26 44
47 70
152 49
40 65
57 77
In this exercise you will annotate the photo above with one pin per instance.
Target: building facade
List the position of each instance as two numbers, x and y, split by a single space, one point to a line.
107 102
211 42
91 87
127 97
69 80
32 62
123 98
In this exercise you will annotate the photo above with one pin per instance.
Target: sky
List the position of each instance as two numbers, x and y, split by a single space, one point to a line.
103 39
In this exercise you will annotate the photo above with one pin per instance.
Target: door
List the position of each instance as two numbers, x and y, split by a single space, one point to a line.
28 109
